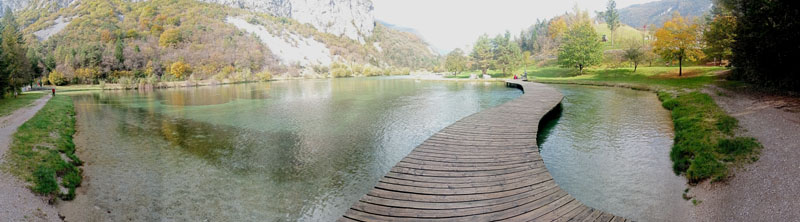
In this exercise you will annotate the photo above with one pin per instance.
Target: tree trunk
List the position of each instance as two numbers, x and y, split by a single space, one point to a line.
612 37
580 68
635 65
680 66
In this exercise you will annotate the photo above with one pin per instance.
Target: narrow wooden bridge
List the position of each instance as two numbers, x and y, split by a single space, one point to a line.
484 167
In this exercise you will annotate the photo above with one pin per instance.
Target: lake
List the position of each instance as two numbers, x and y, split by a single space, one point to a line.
285 150
609 148
307 149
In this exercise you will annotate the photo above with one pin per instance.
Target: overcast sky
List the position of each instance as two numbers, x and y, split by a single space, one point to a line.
450 24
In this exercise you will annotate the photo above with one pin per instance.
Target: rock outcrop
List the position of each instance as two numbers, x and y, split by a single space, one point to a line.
351 18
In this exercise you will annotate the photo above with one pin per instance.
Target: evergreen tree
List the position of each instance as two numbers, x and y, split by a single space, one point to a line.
17 66
119 51
482 53
766 42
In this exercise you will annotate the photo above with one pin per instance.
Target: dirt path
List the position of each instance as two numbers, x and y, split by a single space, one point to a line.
769 189
18 203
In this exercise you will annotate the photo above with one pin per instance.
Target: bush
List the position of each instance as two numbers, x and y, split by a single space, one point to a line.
180 69
170 38
56 78
264 75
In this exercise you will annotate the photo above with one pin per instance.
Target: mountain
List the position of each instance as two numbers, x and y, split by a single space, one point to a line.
351 18
135 39
656 13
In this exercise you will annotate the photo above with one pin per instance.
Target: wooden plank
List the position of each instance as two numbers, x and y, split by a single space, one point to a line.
484 167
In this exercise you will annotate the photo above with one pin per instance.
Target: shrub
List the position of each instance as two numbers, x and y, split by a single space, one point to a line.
170 38
264 75
56 78
180 69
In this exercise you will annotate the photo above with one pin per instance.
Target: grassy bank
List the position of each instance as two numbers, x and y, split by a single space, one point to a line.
9 105
647 77
705 144
705 141
42 151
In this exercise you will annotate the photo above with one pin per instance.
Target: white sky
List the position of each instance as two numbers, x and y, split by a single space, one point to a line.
450 24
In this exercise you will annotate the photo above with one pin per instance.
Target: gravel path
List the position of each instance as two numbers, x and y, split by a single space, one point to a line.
18 203
769 189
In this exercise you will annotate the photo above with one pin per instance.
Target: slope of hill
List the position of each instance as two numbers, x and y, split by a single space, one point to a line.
656 13
114 39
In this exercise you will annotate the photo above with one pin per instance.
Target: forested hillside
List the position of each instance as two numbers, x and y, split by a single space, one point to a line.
656 13
114 40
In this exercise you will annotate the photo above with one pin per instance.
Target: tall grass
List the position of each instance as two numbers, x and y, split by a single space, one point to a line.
705 142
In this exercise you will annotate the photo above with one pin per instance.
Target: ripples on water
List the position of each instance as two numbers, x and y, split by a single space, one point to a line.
290 150
610 149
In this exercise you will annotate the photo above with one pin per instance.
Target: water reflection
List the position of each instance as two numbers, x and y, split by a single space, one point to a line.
610 149
293 150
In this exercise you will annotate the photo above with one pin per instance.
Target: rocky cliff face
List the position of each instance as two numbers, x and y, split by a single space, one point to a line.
351 18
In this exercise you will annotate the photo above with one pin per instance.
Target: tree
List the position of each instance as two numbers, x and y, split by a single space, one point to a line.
678 40
719 38
556 28
456 62
612 18
56 78
581 47
482 53
766 42
526 59
180 69
170 38
119 52
506 53
634 53
16 64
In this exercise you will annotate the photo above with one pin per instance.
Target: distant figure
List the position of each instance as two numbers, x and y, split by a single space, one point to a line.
54 91
515 76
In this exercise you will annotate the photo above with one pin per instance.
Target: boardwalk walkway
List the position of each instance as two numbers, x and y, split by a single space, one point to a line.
484 167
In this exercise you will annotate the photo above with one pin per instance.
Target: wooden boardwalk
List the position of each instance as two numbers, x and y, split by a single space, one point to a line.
484 167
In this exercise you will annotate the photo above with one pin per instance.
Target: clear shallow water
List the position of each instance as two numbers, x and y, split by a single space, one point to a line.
290 150
610 149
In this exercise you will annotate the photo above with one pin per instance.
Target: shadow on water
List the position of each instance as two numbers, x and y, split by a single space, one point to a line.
547 124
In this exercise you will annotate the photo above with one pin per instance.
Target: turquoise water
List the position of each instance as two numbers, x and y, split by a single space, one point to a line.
609 148
286 150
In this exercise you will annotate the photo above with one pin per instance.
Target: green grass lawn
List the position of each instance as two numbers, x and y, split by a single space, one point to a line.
645 77
42 150
10 104
623 33
77 88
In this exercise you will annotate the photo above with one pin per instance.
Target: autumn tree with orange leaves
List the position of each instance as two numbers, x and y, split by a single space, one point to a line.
679 39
